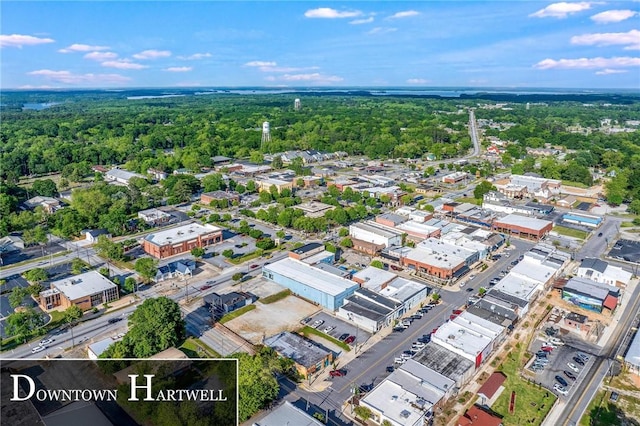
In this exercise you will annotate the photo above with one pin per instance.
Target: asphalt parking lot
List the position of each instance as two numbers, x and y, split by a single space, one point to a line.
341 327
626 250
558 358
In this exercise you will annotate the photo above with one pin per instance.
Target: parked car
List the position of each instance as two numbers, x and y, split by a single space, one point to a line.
317 323
573 367
556 341
562 381
578 360
306 320
418 345
343 337
399 360
350 340
390 369
583 356
328 328
337 373
546 348
569 374
560 389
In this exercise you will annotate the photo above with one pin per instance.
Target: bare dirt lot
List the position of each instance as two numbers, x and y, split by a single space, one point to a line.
267 320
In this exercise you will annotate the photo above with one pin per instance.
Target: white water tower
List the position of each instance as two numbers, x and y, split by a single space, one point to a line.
266 132
297 105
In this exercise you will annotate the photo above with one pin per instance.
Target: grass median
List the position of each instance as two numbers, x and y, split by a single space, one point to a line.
306 331
275 297
235 314
570 232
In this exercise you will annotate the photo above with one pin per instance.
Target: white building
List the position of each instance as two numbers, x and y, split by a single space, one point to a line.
474 345
407 396
601 272
373 278
372 233
409 293
121 176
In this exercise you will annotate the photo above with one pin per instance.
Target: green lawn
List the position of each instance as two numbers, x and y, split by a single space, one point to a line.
195 348
469 200
235 314
570 232
275 297
306 330
575 184
532 401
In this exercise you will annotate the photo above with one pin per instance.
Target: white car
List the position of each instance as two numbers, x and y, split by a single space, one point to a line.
462 283
328 329
399 360
45 342
38 349
418 345
556 341
317 323
560 389
573 367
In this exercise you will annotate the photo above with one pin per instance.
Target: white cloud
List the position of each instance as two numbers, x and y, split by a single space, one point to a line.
70 78
588 63
311 78
381 30
123 64
260 64
286 69
404 14
631 39
562 9
362 21
178 69
195 56
19 40
83 48
100 56
417 81
152 54
610 16
328 13
608 71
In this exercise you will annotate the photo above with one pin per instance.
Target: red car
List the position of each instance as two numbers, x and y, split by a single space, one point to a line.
350 339
546 348
337 373
205 287
254 266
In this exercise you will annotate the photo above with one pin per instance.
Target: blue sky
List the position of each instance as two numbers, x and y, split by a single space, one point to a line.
295 43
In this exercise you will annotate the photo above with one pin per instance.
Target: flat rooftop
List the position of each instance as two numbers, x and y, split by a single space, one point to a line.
83 285
310 276
181 234
374 277
523 221
402 289
517 286
417 228
304 352
461 337
374 229
445 362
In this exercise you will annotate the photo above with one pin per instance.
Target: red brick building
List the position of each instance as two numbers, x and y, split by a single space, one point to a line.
522 226
181 240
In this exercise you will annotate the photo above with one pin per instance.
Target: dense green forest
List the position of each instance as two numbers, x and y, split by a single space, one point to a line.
88 128
77 134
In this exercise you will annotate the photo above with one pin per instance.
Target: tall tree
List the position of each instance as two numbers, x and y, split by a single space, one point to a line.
146 268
